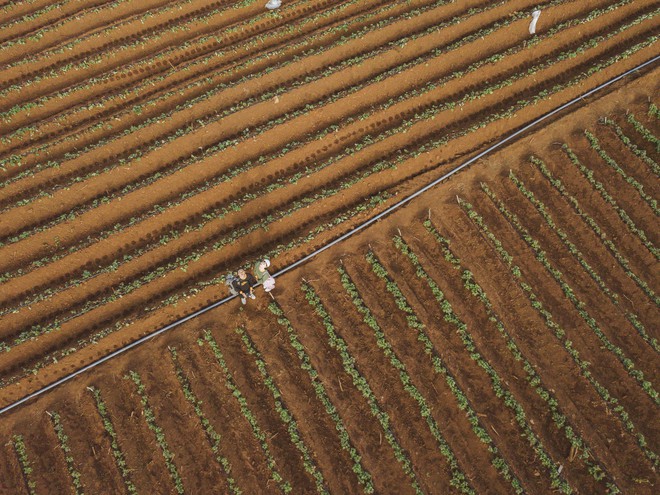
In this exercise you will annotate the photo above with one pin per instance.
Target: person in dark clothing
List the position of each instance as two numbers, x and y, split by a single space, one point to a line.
244 285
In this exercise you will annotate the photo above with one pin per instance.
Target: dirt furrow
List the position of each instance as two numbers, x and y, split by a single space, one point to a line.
12 479
73 22
612 321
365 432
468 375
89 447
128 103
183 430
413 432
491 346
641 260
249 467
456 428
316 428
577 398
635 136
49 470
632 299
632 164
605 365
143 455
248 380
639 210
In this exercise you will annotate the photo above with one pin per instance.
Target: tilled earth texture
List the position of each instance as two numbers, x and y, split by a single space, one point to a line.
498 334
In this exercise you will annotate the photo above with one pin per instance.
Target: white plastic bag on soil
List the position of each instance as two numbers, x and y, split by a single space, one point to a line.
535 17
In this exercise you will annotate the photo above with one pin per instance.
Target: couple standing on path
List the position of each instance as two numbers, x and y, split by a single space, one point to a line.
243 285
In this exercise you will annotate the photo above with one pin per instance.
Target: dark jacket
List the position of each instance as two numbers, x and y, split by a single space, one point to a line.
243 286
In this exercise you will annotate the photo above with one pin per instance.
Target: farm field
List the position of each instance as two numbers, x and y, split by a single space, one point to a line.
145 157
497 335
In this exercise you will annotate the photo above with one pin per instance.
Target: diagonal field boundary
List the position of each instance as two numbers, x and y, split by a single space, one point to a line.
348 234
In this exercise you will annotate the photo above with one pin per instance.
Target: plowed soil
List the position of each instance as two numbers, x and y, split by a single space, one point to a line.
148 148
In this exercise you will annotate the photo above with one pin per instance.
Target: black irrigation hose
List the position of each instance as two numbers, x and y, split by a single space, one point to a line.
336 241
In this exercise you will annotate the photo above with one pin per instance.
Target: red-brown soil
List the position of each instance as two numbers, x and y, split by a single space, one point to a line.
184 142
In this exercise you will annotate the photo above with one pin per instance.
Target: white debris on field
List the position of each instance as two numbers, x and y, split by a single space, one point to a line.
535 17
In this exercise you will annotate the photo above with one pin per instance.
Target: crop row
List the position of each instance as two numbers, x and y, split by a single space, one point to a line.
285 414
579 305
258 433
214 438
614 297
598 186
26 465
559 332
204 71
35 33
277 89
533 379
473 68
117 453
336 342
174 295
557 184
595 144
654 111
150 418
450 105
641 153
95 55
644 132
364 477
458 479
66 450
496 382
610 59
189 254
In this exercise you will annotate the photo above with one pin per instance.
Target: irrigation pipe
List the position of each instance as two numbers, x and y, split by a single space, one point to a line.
348 234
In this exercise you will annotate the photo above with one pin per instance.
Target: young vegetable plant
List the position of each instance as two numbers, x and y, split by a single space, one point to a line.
559 332
282 484
117 453
360 383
